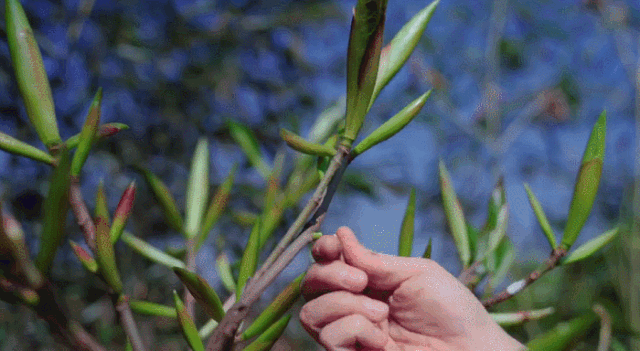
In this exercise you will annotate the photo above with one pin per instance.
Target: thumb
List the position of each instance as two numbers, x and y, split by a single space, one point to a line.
384 272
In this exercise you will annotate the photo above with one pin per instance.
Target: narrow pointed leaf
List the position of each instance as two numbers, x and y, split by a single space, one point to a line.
202 292
102 209
392 126
406 231
590 247
542 218
472 234
87 135
270 222
207 329
123 211
497 200
496 235
104 131
587 182
298 143
55 207
280 305
249 261
397 52
30 74
273 191
455 216
247 141
15 146
427 251
216 208
363 57
87 260
560 337
152 309
12 238
146 250
106 257
265 341
500 263
517 318
197 189
165 199
224 271
186 324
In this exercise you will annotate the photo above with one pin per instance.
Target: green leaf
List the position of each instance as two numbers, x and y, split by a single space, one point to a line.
15 146
244 137
587 182
496 235
87 260
270 336
101 209
152 309
500 263
363 57
249 261
106 257
560 337
165 199
146 250
280 305
397 52
542 218
12 238
224 271
497 200
472 234
392 126
217 206
202 292
298 143
591 246
186 324
455 216
30 74
55 207
123 211
270 222
517 318
104 131
87 135
407 228
427 251
197 189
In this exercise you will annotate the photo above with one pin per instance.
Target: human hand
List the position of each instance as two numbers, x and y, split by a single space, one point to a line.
361 300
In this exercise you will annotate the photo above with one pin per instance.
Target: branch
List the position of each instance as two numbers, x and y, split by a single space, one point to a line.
128 323
471 275
190 263
518 286
82 214
223 336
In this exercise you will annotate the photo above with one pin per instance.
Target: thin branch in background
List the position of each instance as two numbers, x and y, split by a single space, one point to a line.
189 300
605 327
79 208
518 286
128 323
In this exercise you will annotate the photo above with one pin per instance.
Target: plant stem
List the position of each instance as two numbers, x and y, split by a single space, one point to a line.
128 323
81 213
190 263
223 336
515 288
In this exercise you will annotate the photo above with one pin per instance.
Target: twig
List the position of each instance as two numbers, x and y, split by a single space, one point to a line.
189 300
82 214
128 323
605 327
518 286
223 336
470 274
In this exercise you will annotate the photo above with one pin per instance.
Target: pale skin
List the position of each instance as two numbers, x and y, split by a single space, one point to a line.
362 300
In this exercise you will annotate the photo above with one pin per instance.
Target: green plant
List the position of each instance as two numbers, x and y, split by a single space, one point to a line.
485 253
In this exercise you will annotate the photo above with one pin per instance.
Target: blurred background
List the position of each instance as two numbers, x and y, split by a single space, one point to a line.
517 86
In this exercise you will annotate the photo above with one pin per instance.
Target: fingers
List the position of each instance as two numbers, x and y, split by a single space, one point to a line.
384 272
322 278
350 332
328 308
327 248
